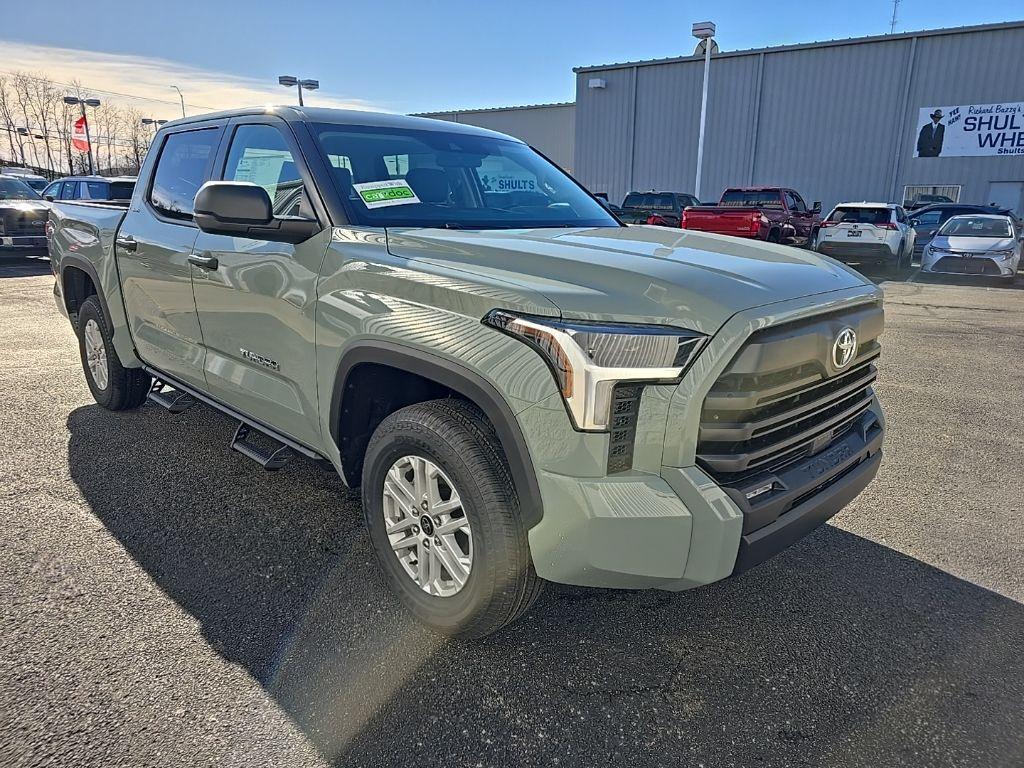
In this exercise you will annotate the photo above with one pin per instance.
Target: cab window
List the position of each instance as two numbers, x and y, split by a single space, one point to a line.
181 170
259 154
68 191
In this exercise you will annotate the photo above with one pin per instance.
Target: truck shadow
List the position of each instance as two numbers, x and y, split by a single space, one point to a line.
17 266
838 650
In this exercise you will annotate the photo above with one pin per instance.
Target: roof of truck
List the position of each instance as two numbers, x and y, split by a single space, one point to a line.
293 113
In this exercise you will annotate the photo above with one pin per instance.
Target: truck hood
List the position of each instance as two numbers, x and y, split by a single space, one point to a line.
25 206
633 274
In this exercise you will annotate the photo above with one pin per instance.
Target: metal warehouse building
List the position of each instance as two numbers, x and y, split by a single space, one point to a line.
836 120
550 128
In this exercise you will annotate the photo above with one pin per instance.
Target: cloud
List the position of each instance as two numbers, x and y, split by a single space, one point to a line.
145 82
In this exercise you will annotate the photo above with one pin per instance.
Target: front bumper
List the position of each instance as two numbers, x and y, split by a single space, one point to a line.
980 266
24 245
667 524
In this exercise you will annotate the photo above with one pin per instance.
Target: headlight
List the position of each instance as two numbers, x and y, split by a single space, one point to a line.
589 359
1003 254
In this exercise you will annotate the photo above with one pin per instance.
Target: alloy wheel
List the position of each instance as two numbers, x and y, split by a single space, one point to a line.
427 526
96 354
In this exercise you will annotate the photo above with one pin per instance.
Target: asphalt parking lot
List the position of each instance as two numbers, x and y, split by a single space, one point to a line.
164 602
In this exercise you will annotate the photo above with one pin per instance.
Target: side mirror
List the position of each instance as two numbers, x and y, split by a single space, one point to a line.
48 198
816 206
915 222
243 209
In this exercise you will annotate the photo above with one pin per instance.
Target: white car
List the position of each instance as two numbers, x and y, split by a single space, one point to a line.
975 244
868 233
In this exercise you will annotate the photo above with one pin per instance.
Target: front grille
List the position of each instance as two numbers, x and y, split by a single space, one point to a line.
959 265
24 224
758 418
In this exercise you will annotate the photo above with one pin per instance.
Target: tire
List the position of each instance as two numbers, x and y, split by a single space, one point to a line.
774 236
113 386
454 436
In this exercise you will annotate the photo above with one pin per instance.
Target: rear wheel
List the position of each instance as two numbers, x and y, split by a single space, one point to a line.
444 519
113 386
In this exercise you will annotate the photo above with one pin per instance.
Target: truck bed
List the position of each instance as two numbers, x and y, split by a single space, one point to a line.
724 220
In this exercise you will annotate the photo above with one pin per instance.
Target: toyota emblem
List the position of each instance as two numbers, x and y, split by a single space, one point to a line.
845 348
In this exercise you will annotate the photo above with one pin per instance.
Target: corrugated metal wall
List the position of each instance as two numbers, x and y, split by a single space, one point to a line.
835 121
548 127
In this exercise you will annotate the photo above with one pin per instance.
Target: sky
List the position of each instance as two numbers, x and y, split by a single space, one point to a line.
408 55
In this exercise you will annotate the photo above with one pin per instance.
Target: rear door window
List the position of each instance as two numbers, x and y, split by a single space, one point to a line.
183 166
121 190
97 190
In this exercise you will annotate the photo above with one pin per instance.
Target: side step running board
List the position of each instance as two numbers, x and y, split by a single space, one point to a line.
166 396
271 460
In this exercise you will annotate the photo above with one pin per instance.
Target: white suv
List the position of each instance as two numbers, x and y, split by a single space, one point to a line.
868 233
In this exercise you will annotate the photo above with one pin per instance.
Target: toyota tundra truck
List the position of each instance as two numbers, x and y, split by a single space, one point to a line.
524 391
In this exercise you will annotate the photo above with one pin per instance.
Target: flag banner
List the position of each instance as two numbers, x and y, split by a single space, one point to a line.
79 137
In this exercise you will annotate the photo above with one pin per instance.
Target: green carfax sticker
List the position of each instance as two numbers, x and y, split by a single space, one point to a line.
394 193
379 194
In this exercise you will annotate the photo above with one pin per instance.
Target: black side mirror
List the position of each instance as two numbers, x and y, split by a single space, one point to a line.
816 206
243 209
48 198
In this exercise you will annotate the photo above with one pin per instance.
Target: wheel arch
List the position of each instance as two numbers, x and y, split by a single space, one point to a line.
445 374
78 281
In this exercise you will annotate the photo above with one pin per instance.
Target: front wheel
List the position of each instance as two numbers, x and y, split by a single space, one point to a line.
113 386
444 519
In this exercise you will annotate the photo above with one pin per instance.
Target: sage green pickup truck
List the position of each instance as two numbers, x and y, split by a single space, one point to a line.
524 389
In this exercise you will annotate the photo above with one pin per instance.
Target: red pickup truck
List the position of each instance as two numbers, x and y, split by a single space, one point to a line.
775 214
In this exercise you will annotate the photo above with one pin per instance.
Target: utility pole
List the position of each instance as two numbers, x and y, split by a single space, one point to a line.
892 22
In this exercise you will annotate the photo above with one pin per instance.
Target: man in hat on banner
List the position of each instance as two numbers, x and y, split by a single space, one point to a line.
929 140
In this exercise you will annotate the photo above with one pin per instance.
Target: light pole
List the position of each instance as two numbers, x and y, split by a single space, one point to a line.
300 85
705 32
182 98
155 123
83 103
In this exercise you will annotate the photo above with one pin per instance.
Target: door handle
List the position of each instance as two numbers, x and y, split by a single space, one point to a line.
126 242
205 262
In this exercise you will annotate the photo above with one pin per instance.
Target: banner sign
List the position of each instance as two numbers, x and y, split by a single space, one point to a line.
971 130
79 137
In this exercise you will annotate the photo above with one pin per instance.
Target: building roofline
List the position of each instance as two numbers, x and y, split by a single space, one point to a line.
493 109
804 46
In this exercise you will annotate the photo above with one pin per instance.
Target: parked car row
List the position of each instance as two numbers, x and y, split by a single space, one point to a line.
24 211
874 234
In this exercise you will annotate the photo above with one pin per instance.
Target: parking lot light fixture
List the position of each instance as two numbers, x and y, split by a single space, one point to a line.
705 32
300 85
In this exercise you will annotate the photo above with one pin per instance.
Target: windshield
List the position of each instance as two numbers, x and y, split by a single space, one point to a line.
976 226
16 189
393 177
853 215
738 198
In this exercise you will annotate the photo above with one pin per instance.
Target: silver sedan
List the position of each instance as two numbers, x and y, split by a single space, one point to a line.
975 244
